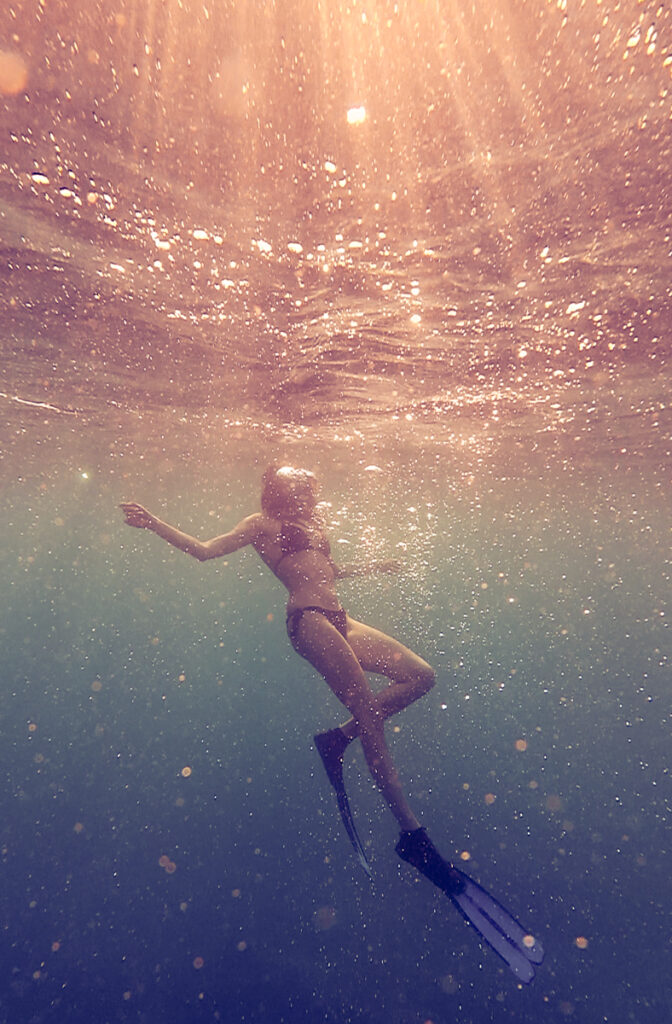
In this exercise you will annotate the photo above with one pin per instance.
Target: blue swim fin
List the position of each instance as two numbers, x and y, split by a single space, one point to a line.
498 927
349 824
503 933
330 746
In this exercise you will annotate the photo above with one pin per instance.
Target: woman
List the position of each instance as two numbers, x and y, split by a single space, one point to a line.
288 534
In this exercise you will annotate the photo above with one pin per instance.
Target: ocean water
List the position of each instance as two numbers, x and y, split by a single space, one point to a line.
425 251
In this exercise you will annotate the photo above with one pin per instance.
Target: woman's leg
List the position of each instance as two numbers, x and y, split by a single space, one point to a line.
333 657
376 652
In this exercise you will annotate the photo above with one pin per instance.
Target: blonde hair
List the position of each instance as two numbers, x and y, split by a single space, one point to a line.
284 490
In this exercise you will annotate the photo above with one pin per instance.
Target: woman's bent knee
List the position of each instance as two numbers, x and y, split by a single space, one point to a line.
426 680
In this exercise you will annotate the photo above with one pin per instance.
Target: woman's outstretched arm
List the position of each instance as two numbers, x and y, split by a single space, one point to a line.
244 533
389 565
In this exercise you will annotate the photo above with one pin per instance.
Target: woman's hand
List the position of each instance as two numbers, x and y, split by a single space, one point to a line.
389 565
137 515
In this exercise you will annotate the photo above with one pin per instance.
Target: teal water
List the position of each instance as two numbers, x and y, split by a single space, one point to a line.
542 604
456 311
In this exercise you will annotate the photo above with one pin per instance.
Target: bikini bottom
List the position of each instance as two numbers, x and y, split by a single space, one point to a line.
336 616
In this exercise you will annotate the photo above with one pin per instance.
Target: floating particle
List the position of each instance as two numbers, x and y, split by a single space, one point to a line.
164 861
465 855
39 178
198 962
521 745
32 727
581 942
13 73
55 946
96 686
171 867
324 918
356 115
242 946
78 827
186 772
489 798
529 941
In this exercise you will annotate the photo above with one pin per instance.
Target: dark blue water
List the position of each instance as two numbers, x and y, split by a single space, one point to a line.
457 313
542 603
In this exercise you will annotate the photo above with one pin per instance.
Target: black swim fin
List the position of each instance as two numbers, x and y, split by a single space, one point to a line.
503 933
330 746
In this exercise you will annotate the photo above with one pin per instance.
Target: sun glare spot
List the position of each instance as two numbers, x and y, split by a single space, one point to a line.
356 115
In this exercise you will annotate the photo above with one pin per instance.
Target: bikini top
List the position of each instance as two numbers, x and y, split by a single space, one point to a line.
295 538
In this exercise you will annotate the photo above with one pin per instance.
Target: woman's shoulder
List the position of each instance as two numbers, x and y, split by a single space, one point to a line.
266 526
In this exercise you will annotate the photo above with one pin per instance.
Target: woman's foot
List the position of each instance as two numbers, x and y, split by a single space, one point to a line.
417 849
331 747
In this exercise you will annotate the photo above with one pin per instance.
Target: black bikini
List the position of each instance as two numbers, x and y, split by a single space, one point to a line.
293 539
336 616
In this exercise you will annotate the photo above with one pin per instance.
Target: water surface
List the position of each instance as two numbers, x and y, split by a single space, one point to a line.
425 252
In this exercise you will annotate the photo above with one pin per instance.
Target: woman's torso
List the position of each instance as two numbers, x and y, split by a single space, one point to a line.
297 552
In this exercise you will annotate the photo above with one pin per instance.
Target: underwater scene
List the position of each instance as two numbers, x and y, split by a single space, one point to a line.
422 250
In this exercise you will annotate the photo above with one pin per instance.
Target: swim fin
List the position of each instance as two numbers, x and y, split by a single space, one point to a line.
330 746
503 933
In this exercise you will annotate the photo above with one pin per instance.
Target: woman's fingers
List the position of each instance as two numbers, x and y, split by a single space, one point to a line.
135 514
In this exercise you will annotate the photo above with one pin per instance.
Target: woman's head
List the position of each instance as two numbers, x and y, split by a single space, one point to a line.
287 491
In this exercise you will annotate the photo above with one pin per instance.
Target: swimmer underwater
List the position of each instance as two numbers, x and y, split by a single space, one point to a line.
289 536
